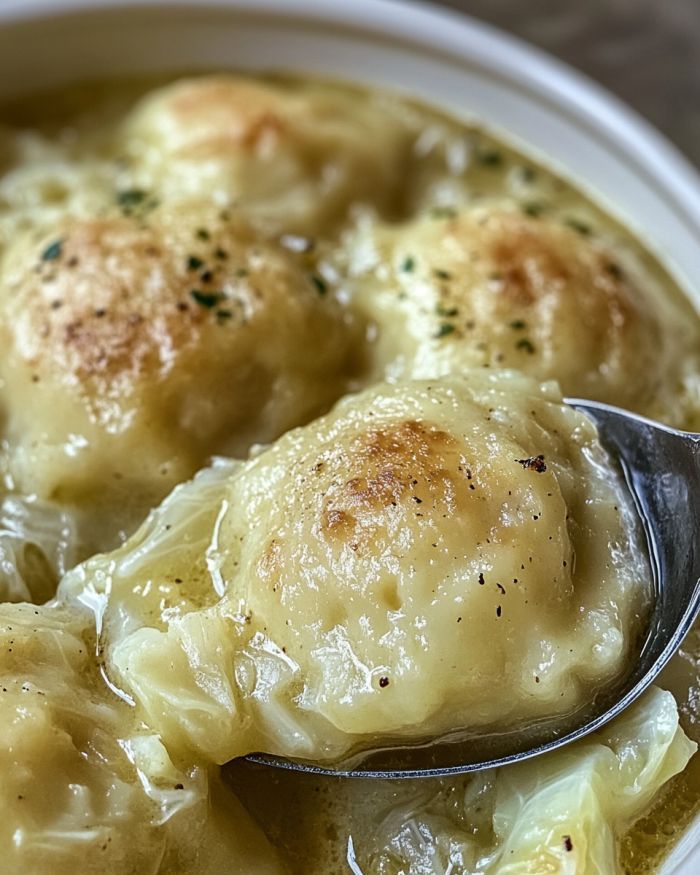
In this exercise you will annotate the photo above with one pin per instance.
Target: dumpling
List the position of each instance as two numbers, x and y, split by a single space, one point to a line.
133 347
297 159
368 576
82 784
490 286
560 813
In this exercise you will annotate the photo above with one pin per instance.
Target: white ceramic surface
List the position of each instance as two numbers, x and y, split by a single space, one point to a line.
466 67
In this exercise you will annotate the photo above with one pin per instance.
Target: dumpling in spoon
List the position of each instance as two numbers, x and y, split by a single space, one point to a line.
429 556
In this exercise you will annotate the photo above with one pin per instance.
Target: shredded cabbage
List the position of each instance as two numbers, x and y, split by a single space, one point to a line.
37 547
559 814
85 784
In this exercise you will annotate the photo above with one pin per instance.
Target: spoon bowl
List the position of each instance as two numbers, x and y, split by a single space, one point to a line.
661 467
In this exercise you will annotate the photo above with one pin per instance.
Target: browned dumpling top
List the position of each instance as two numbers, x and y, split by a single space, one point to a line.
489 286
136 346
298 159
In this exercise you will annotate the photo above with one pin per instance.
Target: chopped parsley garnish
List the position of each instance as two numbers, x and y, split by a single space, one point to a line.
131 197
319 284
194 262
525 345
207 299
53 251
443 212
223 315
614 270
220 253
518 324
533 208
582 227
441 310
442 274
444 329
408 264
490 158
528 174
242 271
202 233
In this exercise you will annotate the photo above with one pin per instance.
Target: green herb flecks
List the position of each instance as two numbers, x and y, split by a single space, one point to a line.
518 324
443 212
614 270
194 262
53 251
131 197
525 345
533 209
319 284
577 225
444 329
408 264
490 158
207 299
442 274
447 312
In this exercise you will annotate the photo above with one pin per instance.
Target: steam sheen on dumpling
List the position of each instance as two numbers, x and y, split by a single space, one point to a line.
370 575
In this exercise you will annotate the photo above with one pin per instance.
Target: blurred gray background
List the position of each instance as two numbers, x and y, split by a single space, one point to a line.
646 51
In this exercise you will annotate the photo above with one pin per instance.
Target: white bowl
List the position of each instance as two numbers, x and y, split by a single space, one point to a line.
451 61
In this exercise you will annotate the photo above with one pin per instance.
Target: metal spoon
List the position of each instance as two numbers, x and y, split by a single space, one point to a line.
661 467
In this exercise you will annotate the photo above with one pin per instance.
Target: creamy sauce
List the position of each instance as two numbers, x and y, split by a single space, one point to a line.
191 270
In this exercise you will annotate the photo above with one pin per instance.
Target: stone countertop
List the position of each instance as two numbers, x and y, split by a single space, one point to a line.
645 51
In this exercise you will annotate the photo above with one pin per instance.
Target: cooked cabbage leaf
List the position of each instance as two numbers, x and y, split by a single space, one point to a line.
86 786
37 547
560 814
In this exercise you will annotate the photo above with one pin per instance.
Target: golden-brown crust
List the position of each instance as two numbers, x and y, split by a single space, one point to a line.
525 264
184 331
531 261
117 303
394 461
493 287
216 114
122 301
297 159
